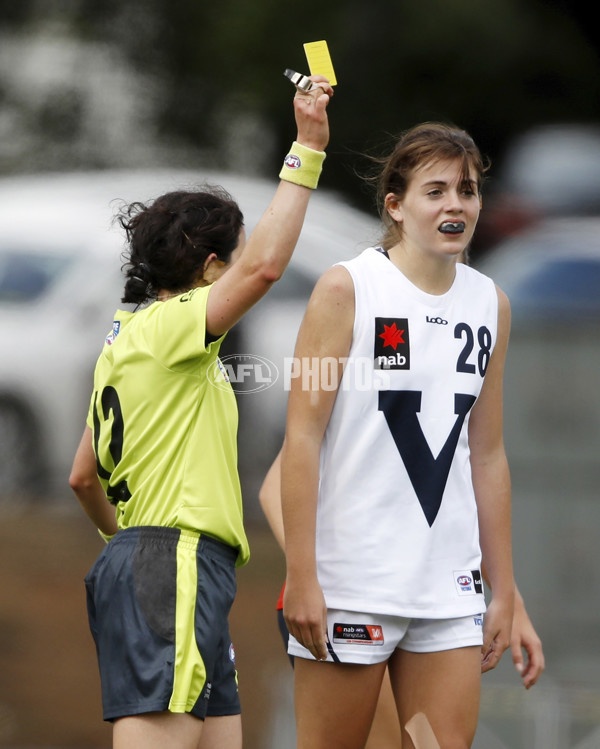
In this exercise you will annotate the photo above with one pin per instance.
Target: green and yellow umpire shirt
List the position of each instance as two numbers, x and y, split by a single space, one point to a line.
164 420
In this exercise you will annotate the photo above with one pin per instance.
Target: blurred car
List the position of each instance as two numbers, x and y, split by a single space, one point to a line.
556 168
60 283
548 171
551 272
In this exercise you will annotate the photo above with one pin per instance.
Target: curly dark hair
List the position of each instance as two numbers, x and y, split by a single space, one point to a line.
170 239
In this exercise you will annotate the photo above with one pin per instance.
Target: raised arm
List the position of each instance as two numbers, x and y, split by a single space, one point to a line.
271 244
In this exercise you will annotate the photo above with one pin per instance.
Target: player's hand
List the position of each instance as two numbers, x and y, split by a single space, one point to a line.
305 614
310 108
525 638
497 626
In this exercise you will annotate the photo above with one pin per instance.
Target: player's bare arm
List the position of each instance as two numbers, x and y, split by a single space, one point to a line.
326 331
491 481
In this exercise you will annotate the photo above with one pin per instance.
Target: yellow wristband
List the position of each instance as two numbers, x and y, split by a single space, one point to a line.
302 166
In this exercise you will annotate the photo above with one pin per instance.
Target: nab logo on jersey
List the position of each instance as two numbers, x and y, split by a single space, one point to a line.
392 343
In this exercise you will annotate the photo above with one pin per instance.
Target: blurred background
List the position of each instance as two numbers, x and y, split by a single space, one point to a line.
121 100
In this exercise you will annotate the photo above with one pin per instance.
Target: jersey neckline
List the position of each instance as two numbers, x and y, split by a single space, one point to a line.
434 300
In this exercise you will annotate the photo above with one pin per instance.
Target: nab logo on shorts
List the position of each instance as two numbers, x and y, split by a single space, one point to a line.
357 634
392 346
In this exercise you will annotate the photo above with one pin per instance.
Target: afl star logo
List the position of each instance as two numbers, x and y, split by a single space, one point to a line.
292 161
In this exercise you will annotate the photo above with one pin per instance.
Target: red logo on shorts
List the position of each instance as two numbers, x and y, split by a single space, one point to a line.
375 632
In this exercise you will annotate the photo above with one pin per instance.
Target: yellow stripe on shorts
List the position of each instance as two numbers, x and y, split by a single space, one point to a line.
189 673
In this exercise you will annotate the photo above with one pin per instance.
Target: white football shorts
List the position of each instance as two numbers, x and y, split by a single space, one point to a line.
372 638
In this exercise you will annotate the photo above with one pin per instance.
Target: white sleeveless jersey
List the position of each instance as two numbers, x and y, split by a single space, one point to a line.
397 528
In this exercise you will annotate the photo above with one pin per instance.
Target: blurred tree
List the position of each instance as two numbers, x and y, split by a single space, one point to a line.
494 69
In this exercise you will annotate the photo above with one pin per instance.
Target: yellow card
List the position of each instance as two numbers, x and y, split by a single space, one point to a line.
319 60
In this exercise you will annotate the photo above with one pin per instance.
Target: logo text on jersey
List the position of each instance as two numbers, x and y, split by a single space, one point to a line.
392 343
114 332
468 582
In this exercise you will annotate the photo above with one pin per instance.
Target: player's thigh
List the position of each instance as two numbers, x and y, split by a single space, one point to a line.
157 730
442 689
334 703
385 731
222 731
